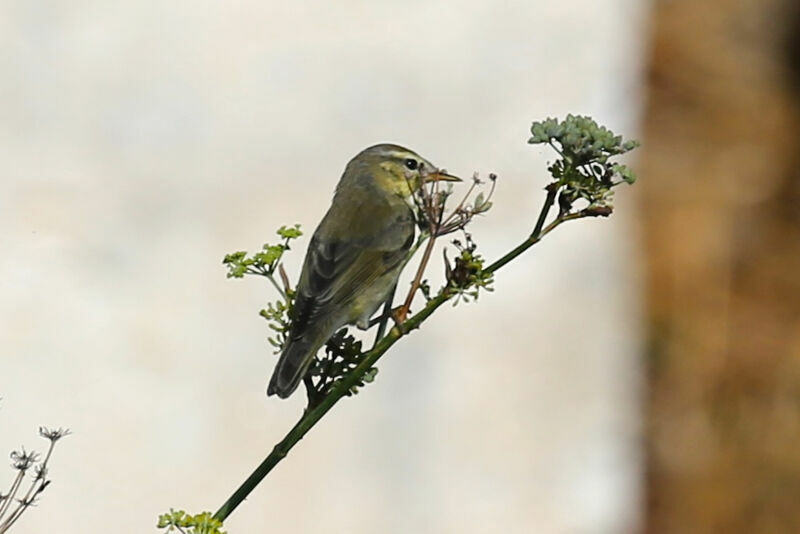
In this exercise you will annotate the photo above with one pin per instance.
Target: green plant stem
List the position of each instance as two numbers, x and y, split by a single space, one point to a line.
538 230
552 190
311 417
281 292
535 238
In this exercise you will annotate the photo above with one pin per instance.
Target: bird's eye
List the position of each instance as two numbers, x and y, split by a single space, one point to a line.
411 164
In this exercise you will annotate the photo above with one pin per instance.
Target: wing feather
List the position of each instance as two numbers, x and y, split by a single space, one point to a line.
335 271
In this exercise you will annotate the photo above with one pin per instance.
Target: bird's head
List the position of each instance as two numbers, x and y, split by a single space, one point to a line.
396 170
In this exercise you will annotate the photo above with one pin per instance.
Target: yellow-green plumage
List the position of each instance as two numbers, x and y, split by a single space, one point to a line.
355 256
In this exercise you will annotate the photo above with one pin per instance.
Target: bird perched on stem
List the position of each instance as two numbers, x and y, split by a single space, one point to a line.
356 254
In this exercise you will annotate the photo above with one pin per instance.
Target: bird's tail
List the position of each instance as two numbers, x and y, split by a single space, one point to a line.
297 355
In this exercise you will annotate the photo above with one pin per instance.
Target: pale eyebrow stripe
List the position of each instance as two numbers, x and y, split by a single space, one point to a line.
399 155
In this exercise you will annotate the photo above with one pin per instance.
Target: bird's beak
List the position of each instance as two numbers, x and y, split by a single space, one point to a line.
442 176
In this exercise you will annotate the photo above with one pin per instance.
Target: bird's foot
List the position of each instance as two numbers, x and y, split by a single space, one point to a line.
399 315
395 314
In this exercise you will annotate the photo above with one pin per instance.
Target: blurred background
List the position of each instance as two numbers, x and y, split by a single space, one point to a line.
720 210
635 374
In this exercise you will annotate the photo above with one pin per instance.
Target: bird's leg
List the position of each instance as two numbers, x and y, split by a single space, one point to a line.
311 391
383 318
375 320
390 313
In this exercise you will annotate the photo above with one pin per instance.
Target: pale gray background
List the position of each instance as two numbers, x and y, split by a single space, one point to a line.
142 140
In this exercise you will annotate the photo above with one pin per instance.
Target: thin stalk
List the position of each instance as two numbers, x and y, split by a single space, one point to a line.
432 211
534 238
38 481
460 205
13 517
285 279
278 287
311 417
11 492
426 256
552 190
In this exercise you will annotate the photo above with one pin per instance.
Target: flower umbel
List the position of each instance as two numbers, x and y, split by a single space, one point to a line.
23 460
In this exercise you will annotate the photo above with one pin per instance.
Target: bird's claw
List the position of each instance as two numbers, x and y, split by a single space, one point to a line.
399 315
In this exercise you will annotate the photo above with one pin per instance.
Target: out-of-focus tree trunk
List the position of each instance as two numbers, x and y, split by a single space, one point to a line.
721 203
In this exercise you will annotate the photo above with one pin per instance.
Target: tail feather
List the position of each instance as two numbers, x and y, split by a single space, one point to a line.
291 367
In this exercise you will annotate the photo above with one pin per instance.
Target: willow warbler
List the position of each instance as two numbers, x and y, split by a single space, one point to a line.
356 254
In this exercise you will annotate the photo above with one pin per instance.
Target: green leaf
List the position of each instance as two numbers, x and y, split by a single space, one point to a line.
202 523
624 172
479 200
370 375
290 233
270 255
265 261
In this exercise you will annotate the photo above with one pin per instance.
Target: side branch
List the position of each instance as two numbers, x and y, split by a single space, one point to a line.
535 238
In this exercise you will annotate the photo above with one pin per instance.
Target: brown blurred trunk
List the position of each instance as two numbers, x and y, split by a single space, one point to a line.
721 204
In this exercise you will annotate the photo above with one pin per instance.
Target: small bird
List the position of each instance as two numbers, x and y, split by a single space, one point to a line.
355 255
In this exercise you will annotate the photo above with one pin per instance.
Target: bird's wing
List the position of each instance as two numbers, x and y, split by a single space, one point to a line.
335 270
347 253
